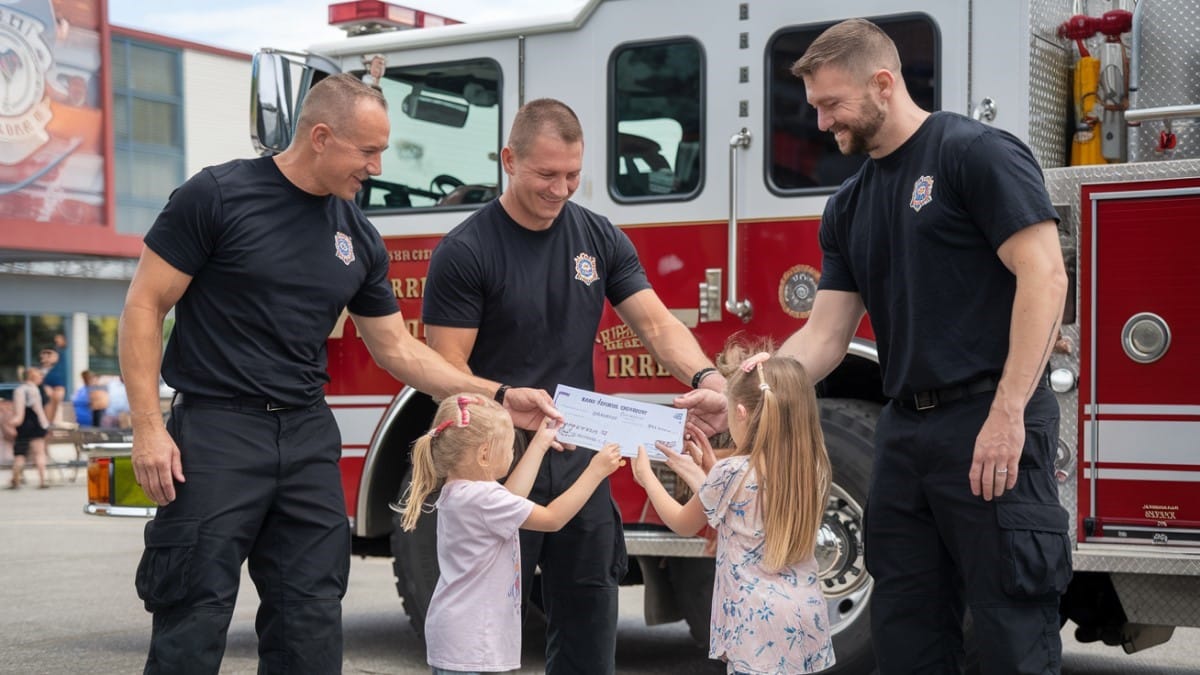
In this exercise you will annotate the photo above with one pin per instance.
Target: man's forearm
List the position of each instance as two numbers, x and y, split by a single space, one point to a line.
140 348
676 349
1036 317
417 365
818 356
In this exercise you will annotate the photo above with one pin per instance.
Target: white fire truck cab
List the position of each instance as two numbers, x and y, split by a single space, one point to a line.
700 145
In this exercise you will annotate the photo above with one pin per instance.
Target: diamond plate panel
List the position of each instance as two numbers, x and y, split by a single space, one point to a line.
663 543
1167 75
1159 600
1049 82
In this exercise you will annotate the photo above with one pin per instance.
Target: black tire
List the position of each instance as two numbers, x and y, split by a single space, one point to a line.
849 427
415 561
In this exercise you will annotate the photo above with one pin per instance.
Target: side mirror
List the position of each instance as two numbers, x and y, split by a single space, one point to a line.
271 112
435 109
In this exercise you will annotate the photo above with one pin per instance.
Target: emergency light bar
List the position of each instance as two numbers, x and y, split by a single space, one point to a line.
364 17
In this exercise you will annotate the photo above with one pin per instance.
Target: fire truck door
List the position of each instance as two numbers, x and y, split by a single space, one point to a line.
1140 361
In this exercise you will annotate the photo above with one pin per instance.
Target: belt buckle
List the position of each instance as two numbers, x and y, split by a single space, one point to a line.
925 400
271 407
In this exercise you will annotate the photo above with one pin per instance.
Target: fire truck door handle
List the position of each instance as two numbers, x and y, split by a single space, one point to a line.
985 111
741 308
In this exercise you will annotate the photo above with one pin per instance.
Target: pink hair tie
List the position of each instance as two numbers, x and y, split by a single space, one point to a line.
436 431
464 415
752 361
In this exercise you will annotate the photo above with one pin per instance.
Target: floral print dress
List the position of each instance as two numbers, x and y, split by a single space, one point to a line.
763 621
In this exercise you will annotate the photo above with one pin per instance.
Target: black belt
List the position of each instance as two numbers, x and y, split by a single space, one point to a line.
928 400
234 402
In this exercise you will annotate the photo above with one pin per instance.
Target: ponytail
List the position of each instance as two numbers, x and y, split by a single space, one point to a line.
424 481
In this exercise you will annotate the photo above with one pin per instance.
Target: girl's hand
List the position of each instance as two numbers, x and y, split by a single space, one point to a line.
642 473
544 436
683 466
698 447
607 460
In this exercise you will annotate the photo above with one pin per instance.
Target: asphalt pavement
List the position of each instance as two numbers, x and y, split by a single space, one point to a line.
67 605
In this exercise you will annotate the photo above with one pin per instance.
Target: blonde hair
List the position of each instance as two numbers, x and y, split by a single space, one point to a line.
462 424
856 45
786 449
543 116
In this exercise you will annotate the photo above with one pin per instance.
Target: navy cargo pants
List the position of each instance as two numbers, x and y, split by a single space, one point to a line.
932 546
581 570
262 486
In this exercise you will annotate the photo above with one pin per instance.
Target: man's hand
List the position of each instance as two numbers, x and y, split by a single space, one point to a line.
528 407
155 462
706 410
997 453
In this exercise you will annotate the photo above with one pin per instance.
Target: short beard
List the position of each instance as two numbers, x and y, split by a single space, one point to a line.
862 134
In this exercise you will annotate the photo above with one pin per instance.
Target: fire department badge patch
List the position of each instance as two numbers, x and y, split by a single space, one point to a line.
922 193
343 247
585 269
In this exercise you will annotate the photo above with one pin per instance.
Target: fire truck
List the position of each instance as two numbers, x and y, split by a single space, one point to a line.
701 147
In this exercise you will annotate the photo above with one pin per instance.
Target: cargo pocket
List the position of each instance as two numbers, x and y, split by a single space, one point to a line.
164 574
1035 552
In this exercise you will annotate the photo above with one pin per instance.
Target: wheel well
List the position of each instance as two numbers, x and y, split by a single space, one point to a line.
387 460
856 378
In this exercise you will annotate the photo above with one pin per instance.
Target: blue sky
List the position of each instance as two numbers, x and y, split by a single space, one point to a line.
245 25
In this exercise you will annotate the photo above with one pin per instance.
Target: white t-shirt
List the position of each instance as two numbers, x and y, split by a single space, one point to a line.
474 621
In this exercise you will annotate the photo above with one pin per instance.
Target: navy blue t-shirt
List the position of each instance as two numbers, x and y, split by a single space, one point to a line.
536 297
272 268
916 234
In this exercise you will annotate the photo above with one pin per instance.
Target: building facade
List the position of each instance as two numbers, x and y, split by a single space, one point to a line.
98 125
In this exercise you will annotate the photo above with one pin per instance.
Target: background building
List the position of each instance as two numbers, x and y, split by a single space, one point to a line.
98 124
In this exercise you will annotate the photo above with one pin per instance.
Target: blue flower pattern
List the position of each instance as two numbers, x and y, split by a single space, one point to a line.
763 621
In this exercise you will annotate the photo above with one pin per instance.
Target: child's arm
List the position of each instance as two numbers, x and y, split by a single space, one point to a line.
685 519
520 479
553 516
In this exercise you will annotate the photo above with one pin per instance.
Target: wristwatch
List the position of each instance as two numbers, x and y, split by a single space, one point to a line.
501 392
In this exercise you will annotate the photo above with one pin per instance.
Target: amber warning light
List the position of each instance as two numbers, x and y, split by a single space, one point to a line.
364 17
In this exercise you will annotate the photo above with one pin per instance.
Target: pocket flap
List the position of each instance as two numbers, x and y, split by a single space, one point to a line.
180 532
1035 517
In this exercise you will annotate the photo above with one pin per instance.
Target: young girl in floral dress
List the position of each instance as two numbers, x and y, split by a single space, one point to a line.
765 502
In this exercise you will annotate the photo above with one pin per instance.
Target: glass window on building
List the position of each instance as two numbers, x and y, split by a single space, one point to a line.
147 129
23 337
445 144
102 345
656 93
800 157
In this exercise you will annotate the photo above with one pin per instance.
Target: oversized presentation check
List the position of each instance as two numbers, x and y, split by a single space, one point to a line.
593 420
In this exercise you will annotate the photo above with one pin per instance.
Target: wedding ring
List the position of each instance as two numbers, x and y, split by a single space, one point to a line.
1002 470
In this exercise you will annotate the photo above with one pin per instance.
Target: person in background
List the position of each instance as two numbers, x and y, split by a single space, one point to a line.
54 363
89 405
29 423
116 413
766 502
259 257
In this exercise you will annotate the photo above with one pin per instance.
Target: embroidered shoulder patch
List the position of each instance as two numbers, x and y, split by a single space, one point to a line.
585 269
343 247
922 193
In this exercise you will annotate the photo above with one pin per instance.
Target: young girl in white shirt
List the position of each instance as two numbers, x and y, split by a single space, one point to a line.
474 619
765 502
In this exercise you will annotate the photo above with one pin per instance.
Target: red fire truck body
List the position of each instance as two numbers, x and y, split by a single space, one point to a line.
700 146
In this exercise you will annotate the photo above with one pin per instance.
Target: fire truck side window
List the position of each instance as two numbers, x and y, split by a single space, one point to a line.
801 158
655 148
445 144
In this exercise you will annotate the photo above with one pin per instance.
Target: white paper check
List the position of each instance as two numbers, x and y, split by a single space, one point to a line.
593 420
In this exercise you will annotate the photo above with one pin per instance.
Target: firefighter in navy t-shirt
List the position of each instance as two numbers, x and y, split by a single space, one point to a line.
515 294
947 238
259 257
